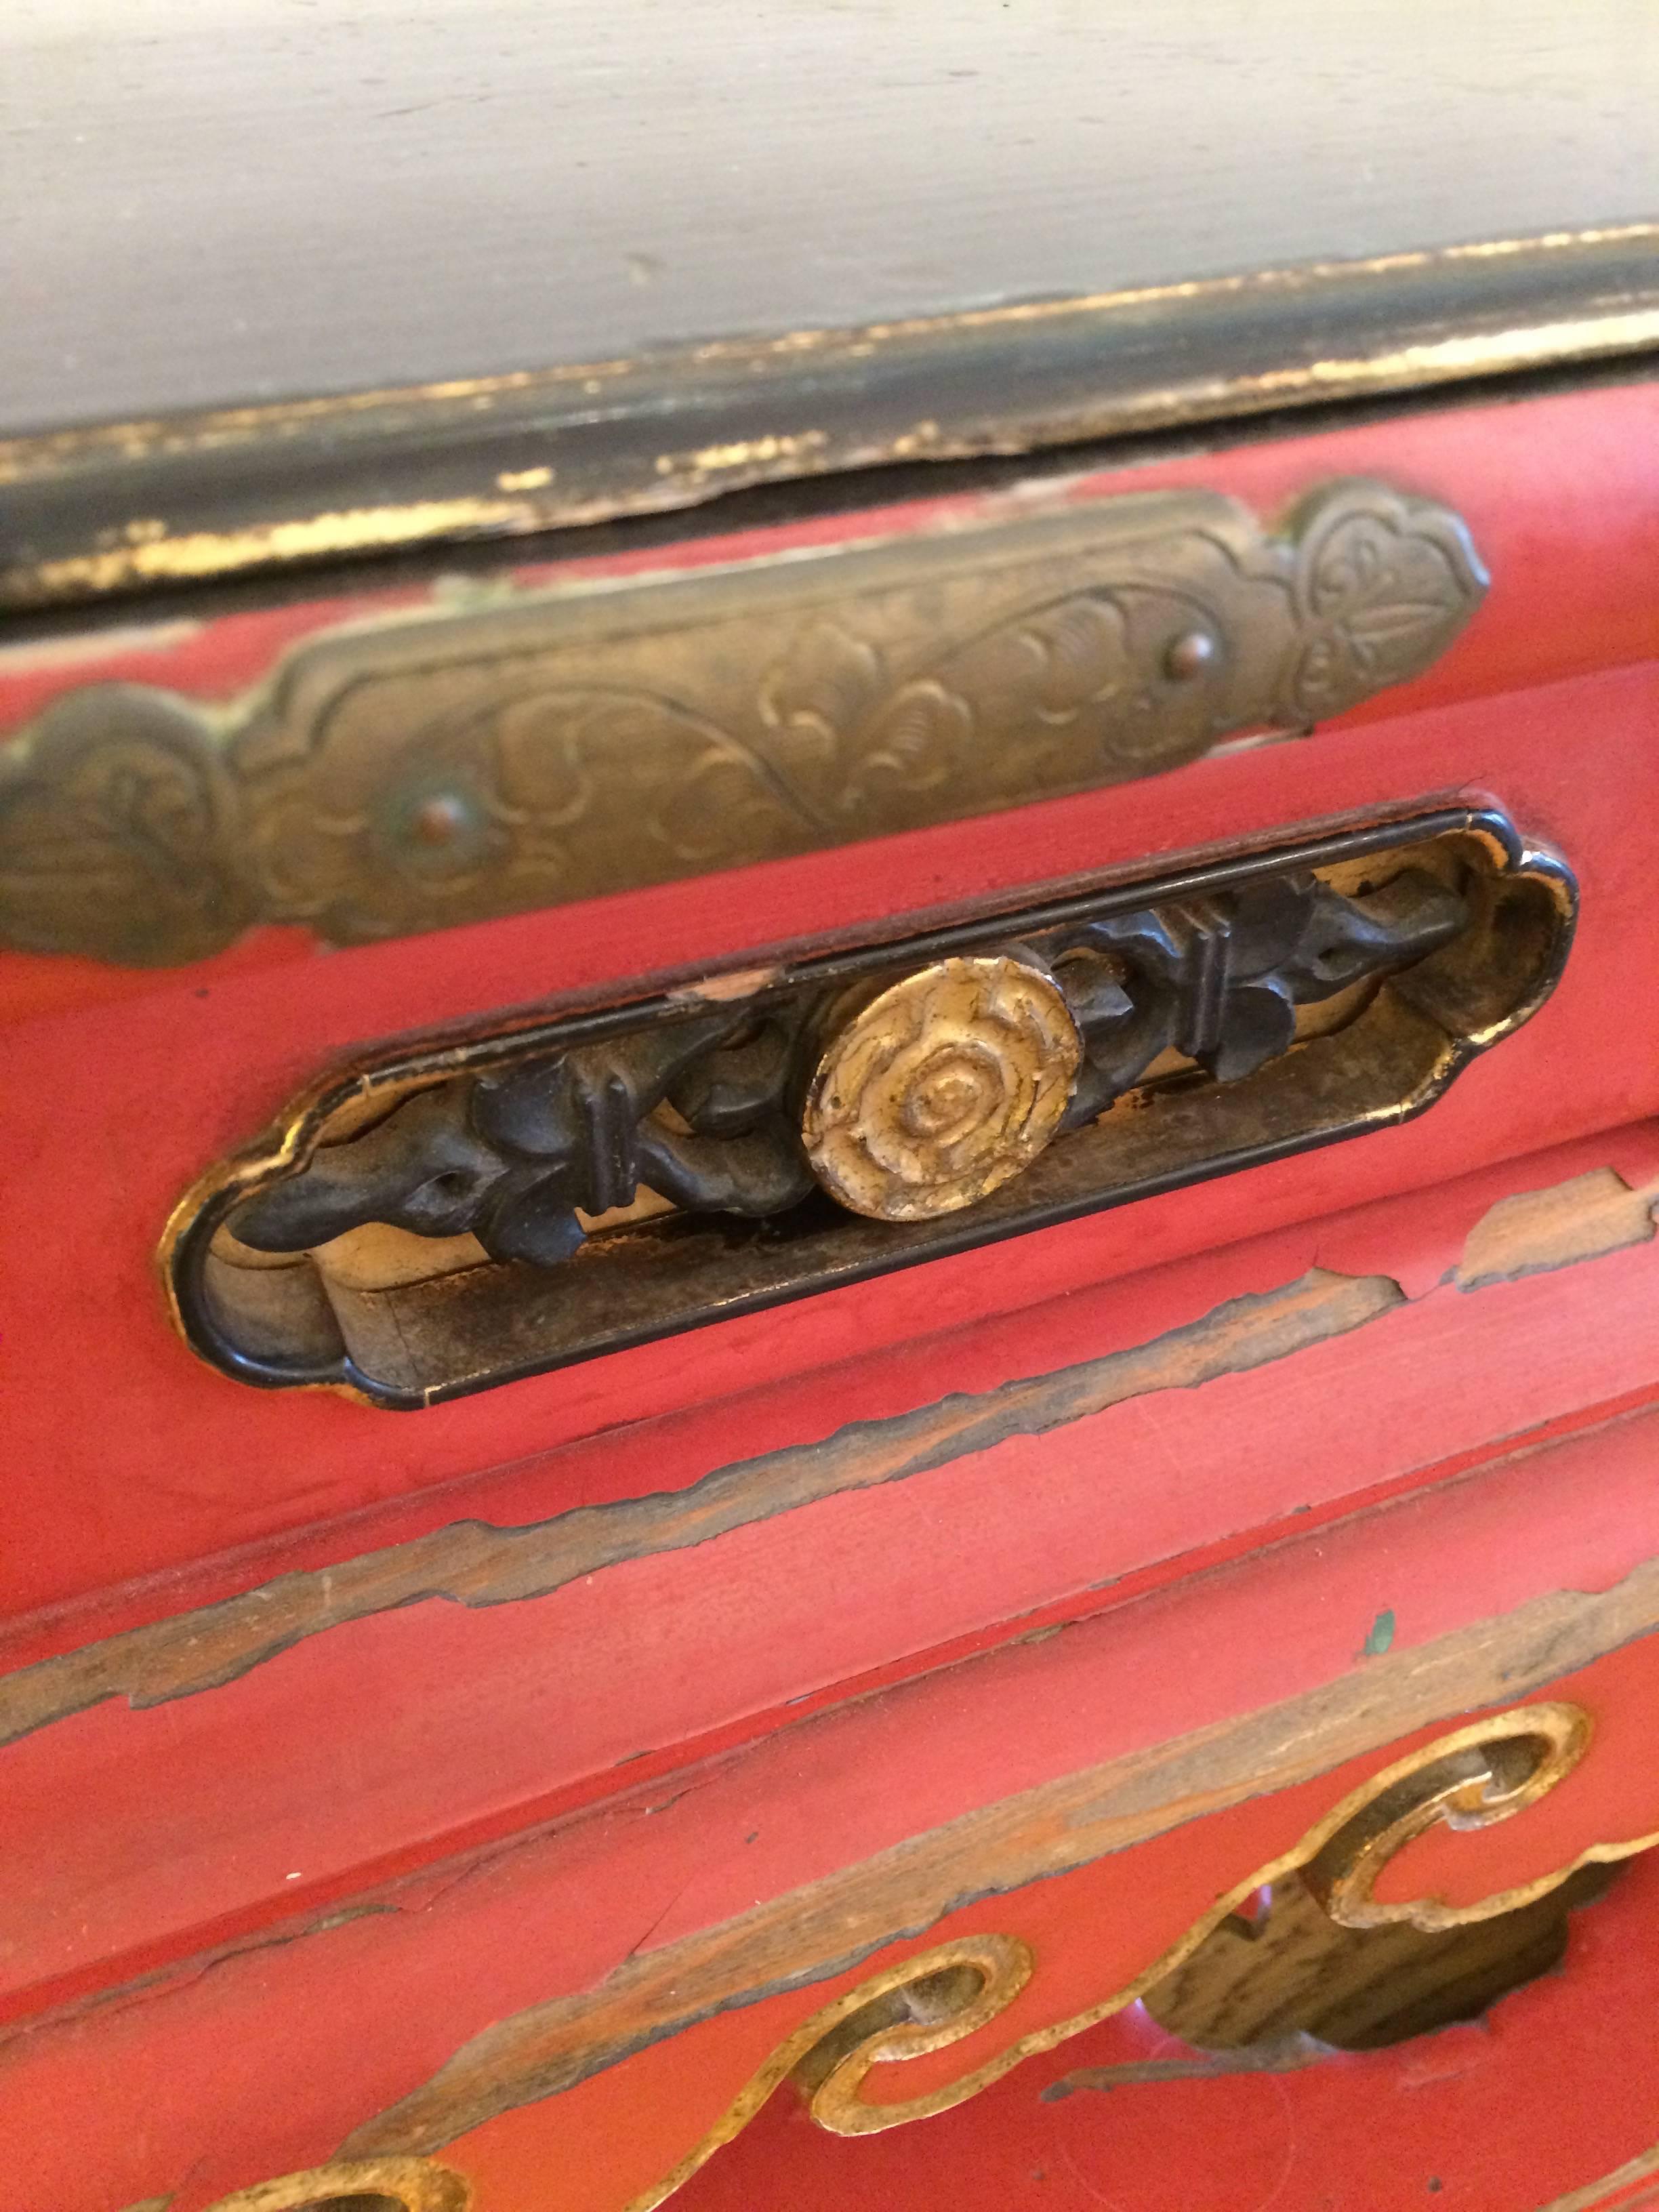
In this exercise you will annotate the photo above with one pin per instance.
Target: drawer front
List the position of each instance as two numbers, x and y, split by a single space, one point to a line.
995 1909
1538 707
714 1447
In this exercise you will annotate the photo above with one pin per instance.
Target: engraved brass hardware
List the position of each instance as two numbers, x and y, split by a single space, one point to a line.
945 1084
444 1219
358 2184
949 1993
447 767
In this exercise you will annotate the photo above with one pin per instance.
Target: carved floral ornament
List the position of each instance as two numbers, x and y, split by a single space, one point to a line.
942 1087
843 2059
447 767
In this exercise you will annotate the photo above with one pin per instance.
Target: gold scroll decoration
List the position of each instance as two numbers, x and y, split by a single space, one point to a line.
447 766
1487 1771
358 2184
1478 1775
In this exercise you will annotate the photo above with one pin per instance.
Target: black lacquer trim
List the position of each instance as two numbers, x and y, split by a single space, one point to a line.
187 499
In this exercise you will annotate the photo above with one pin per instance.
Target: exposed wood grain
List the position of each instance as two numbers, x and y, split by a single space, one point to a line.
1551 2086
1291 1971
471 1563
811 1935
1619 2191
365 2008
1537 1230
210 1469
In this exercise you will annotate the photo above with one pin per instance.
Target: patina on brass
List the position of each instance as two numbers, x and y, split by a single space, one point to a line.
441 1220
445 767
943 1087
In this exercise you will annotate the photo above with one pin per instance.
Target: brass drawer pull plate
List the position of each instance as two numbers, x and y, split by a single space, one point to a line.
445 1219
440 767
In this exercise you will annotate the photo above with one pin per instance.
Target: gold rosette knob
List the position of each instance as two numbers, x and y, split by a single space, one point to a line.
942 1086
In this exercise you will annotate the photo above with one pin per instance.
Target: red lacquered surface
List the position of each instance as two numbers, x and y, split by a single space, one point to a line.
401 1737
172 2087
243 1920
1555 2087
114 1108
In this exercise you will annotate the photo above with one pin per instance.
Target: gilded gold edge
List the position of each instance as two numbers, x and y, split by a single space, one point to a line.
1348 1899
424 2183
686 479
761 2085
1594 2195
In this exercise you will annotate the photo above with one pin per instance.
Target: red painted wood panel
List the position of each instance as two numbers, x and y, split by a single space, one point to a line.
1555 2087
407 1827
114 1107
173 2086
402 1737
201 1464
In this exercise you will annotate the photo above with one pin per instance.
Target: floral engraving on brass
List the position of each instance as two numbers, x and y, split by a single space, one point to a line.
443 768
941 1088
358 2184
443 1219
974 1988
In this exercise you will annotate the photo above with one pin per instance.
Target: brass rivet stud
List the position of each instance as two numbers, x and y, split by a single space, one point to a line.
441 819
941 1087
1189 656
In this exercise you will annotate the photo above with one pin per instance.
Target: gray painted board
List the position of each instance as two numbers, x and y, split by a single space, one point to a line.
208 201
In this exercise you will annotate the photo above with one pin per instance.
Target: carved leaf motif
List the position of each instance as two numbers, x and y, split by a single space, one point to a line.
495 811
1081 653
546 756
720 811
495 759
1385 586
914 744
1035 677
369 840
853 741
1079 692
814 698
112 841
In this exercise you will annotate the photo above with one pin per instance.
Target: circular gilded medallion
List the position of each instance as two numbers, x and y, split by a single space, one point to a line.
941 1087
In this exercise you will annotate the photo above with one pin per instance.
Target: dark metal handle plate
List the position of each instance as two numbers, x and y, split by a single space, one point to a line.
443 1220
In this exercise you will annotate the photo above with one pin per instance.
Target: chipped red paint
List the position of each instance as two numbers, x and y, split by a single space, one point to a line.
1496 2115
416 1822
